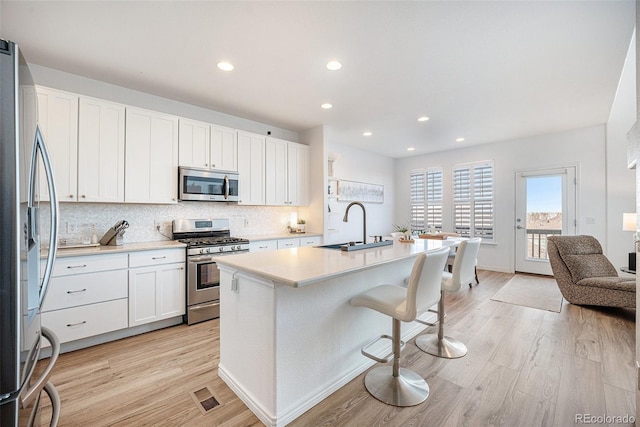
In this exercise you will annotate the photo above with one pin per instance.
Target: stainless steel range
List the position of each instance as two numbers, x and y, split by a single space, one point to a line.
206 239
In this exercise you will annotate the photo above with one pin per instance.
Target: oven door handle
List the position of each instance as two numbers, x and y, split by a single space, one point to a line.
201 259
204 306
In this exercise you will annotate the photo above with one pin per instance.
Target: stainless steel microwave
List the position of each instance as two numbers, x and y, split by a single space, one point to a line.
207 185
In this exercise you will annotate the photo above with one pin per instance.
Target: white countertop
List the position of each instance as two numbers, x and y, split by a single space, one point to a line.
260 237
127 247
302 266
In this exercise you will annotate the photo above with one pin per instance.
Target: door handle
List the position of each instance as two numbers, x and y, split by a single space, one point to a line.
28 395
519 227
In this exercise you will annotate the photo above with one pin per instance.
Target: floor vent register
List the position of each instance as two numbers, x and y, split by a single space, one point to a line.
204 399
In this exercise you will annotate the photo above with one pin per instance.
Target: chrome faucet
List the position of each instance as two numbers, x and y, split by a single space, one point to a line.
364 219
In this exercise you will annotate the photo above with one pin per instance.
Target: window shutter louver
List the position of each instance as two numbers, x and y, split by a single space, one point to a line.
473 213
434 199
417 194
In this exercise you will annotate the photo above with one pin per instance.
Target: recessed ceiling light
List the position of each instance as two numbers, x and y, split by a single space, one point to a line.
334 65
326 106
459 139
367 133
410 149
225 66
423 119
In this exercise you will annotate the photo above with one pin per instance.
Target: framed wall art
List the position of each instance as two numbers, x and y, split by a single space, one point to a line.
353 191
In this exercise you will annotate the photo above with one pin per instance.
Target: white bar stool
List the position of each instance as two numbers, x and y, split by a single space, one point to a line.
463 273
391 384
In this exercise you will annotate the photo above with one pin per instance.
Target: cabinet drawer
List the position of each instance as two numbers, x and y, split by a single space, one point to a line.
83 289
89 264
310 241
88 320
166 256
263 245
288 243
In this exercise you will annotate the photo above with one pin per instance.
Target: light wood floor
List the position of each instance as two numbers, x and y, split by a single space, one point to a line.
525 367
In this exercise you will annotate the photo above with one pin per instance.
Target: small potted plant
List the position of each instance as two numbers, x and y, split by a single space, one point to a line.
301 225
402 232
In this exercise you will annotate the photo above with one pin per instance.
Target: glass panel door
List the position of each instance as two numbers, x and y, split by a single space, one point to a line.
545 206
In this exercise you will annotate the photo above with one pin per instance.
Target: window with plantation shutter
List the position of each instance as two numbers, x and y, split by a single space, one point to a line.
433 215
426 199
417 194
473 200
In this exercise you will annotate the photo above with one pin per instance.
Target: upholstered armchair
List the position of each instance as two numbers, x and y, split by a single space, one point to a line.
585 276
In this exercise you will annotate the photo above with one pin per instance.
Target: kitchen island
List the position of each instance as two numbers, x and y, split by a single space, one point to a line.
288 335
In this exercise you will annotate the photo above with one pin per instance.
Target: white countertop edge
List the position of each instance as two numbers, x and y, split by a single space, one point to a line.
127 247
262 237
279 280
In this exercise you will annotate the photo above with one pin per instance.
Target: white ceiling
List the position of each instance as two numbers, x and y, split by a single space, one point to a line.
483 70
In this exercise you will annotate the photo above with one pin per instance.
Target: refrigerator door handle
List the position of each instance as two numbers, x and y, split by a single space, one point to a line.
53 199
54 397
28 395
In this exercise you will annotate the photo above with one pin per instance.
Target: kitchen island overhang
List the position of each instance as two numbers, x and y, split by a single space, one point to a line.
288 335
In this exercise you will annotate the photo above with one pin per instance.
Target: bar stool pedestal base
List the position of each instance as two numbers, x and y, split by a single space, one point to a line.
407 389
447 347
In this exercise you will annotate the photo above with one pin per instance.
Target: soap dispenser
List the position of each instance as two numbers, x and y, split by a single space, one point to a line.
94 236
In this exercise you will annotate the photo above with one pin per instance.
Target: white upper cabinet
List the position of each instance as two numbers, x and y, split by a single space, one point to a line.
58 120
298 174
101 151
208 146
224 148
195 148
251 165
287 172
276 172
151 166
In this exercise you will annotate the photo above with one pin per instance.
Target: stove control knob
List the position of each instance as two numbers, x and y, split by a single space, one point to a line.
233 248
203 251
220 249
238 247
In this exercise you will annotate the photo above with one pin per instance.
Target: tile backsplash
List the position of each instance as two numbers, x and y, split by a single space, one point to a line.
77 220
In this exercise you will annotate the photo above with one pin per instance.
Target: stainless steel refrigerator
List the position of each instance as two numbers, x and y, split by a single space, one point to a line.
25 268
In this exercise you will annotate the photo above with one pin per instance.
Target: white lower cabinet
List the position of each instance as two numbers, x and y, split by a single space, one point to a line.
87 296
95 294
263 245
156 289
311 241
293 242
87 320
288 243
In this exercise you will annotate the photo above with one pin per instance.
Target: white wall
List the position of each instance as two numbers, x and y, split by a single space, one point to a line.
620 180
583 147
74 83
358 165
314 213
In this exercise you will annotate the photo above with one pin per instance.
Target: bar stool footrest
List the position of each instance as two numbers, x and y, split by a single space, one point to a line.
386 359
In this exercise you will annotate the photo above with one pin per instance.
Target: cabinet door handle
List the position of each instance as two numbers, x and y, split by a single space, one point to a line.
77 291
76 324
77 266
263 247
84 196
158 257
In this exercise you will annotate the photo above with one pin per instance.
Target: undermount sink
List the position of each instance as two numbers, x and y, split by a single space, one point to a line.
355 246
